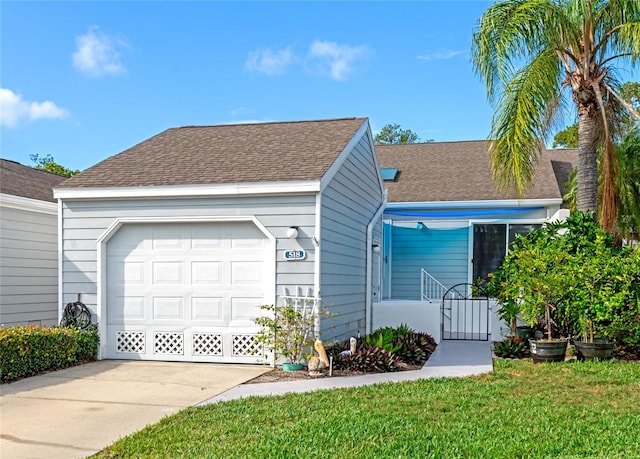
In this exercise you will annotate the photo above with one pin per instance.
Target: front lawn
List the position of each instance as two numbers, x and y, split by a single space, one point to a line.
580 409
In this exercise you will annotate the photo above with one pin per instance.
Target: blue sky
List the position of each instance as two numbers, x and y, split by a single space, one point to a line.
82 81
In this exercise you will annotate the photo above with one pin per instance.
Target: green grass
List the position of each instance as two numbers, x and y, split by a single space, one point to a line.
581 409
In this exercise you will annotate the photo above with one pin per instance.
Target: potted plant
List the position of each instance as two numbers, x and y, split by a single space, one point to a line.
602 284
287 332
529 278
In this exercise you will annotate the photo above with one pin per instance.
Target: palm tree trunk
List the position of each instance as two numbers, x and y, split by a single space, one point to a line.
587 163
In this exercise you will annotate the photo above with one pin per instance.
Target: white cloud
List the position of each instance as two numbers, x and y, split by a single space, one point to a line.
336 59
269 62
240 111
15 109
440 55
97 54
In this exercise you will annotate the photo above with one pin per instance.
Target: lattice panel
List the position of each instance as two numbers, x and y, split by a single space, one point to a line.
130 342
244 345
207 344
168 343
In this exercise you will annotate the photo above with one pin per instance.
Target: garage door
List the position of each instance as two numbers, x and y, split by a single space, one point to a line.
185 292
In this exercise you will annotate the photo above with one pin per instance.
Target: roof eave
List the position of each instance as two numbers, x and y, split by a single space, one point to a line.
493 204
173 191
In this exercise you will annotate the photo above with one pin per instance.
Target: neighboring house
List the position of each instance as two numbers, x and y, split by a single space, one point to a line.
445 222
28 245
174 243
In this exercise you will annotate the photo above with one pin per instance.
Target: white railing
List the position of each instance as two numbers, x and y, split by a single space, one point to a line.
430 288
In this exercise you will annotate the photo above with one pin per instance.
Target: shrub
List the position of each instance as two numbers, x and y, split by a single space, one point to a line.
415 348
384 338
87 342
407 347
572 272
367 359
512 349
30 350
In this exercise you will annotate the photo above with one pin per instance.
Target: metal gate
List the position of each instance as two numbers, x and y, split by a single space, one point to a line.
465 313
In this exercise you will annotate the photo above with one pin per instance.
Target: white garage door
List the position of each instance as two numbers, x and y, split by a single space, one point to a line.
185 291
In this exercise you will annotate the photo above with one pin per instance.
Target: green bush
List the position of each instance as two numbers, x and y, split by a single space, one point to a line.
367 359
574 272
512 349
385 349
415 348
30 350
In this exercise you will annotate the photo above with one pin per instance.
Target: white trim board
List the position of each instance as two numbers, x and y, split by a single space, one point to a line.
232 189
28 204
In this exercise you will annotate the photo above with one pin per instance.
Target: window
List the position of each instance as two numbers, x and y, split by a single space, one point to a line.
490 245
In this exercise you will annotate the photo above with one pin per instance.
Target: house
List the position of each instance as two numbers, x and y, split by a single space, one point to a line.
445 223
28 245
174 243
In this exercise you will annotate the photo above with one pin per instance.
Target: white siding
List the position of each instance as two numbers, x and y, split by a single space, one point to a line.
28 267
349 202
85 221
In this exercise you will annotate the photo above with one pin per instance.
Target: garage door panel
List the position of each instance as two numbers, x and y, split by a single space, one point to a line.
206 308
168 308
130 307
192 290
168 273
206 273
246 272
164 237
244 309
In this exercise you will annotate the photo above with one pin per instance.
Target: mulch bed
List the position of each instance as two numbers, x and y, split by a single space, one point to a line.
277 375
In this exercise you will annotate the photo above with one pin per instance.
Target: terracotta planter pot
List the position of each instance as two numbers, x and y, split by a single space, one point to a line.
600 349
548 350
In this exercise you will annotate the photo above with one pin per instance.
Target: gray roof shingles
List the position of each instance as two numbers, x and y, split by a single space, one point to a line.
226 154
563 160
27 182
453 171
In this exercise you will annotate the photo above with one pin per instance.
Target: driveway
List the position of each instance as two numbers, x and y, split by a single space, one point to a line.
80 410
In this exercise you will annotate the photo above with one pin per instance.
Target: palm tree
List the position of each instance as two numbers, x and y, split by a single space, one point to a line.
533 54
628 186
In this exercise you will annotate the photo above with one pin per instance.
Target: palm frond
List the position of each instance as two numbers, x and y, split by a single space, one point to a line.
522 119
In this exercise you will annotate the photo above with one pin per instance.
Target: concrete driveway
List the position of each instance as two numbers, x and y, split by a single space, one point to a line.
80 410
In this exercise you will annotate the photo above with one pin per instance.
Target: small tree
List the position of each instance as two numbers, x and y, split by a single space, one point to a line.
286 331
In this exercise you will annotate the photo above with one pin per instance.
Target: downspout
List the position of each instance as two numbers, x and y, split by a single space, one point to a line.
368 301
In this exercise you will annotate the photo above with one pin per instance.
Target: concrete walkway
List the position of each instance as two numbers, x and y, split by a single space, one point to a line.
450 359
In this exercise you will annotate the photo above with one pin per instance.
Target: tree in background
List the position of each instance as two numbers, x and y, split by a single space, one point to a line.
393 134
47 163
534 54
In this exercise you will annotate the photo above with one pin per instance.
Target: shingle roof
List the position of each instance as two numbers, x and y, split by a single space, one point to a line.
266 152
563 161
27 182
453 171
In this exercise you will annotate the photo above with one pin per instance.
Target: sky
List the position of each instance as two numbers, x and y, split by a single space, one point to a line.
82 81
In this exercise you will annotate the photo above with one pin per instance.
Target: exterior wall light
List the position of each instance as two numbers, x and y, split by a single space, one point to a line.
292 232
